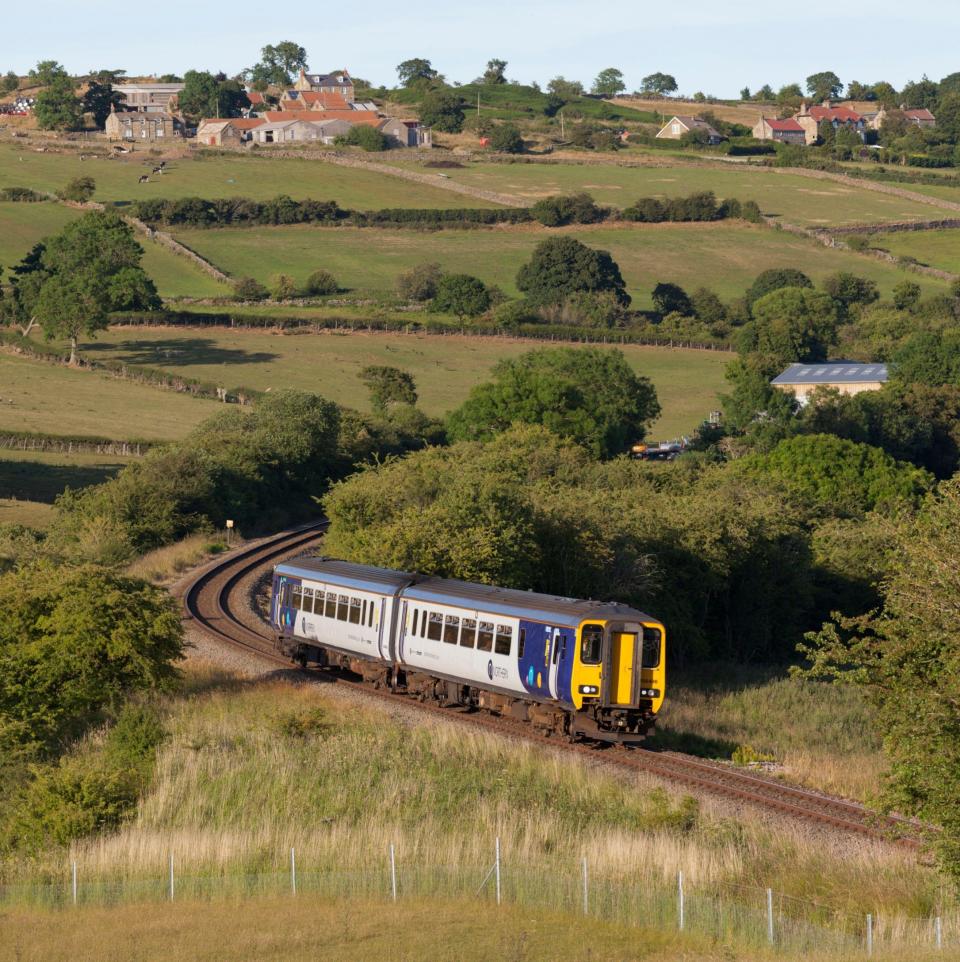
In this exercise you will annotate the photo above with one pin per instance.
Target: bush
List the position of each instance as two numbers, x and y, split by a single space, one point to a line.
671 299
462 295
283 287
22 195
442 110
701 206
506 139
321 282
559 210
248 289
367 138
419 283
79 190
561 265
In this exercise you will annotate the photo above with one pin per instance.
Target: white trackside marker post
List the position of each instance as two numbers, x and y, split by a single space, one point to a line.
770 916
680 898
498 869
869 935
939 932
293 871
586 890
393 872
171 876
75 884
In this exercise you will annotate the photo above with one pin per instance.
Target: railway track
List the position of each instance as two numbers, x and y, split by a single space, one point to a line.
209 605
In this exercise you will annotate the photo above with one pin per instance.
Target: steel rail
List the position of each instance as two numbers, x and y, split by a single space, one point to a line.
207 604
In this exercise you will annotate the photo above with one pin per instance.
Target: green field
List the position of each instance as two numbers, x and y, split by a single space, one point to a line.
724 257
22 225
935 248
39 476
207 175
445 366
52 399
793 197
33 514
949 192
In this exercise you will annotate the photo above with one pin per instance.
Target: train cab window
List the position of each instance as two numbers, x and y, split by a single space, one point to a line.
435 626
523 642
354 611
306 599
295 595
485 636
591 644
330 609
651 647
413 623
504 640
451 628
468 632
343 607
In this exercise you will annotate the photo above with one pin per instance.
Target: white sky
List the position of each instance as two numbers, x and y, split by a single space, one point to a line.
717 47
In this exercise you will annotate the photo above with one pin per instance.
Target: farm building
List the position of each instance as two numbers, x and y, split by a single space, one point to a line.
677 126
785 131
137 126
919 116
847 377
149 97
225 133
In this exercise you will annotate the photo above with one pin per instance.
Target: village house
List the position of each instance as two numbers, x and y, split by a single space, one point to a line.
150 97
786 131
810 119
338 82
677 126
844 376
132 125
232 132
915 115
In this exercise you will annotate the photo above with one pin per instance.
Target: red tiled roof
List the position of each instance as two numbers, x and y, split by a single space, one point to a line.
254 97
274 115
834 113
786 125
246 123
370 117
919 113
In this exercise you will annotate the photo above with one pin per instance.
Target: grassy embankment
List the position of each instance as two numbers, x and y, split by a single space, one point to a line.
723 257
446 368
250 770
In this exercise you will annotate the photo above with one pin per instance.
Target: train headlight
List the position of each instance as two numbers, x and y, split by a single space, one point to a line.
650 692
588 689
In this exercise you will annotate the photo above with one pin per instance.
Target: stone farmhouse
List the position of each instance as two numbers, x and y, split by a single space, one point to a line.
919 116
786 131
677 126
844 376
338 82
808 121
142 127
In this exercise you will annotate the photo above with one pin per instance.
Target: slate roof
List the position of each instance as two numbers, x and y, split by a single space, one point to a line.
833 372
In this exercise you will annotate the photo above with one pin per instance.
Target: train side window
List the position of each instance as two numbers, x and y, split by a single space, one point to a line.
296 594
318 597
370 615
522 643
485 636
468 632
652 638
557 642
285 595
306 600
591 644
451 628
330 610
363 616
343 607
504 639
413 624
354 611
435 626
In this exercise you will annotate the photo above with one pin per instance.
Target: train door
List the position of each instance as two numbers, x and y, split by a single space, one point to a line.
623 657
536 660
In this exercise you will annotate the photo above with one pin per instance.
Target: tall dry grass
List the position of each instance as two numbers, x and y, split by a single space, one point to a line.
165 565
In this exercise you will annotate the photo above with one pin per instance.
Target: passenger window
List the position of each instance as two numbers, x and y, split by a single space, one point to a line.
522 643
370 615
330 611
591 644
451 628
435 626
306 599
284 595
343 607
413 626
652 637
363 616
318 601
485 636
504 640
295 595
468 633
354 611
557 642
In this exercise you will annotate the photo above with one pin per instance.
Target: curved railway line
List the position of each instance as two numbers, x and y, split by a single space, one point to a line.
209 601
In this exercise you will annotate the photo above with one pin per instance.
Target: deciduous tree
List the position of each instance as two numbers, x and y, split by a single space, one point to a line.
825 85
659 84
561 265
461 294
609 82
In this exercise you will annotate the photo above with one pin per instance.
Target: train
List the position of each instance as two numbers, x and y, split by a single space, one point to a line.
579 669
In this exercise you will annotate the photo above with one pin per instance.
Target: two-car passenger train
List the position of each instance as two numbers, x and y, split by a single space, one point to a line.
578 668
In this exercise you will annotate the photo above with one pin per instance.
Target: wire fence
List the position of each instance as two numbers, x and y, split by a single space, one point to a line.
739 914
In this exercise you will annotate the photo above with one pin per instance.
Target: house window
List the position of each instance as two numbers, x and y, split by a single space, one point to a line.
675 128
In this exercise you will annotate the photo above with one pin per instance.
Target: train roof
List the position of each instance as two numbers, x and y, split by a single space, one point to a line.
510 602
347 573
553 609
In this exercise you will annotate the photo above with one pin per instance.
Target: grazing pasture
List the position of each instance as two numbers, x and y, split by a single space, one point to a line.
724 256
446 366
935 248
39 476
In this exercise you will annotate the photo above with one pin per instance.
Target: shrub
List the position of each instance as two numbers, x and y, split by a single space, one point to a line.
506 139
248 289
559 210
442 110
283 287
367 138
321 282
750 211
20 195
79 190
773 279
671 299
419 283
462 295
